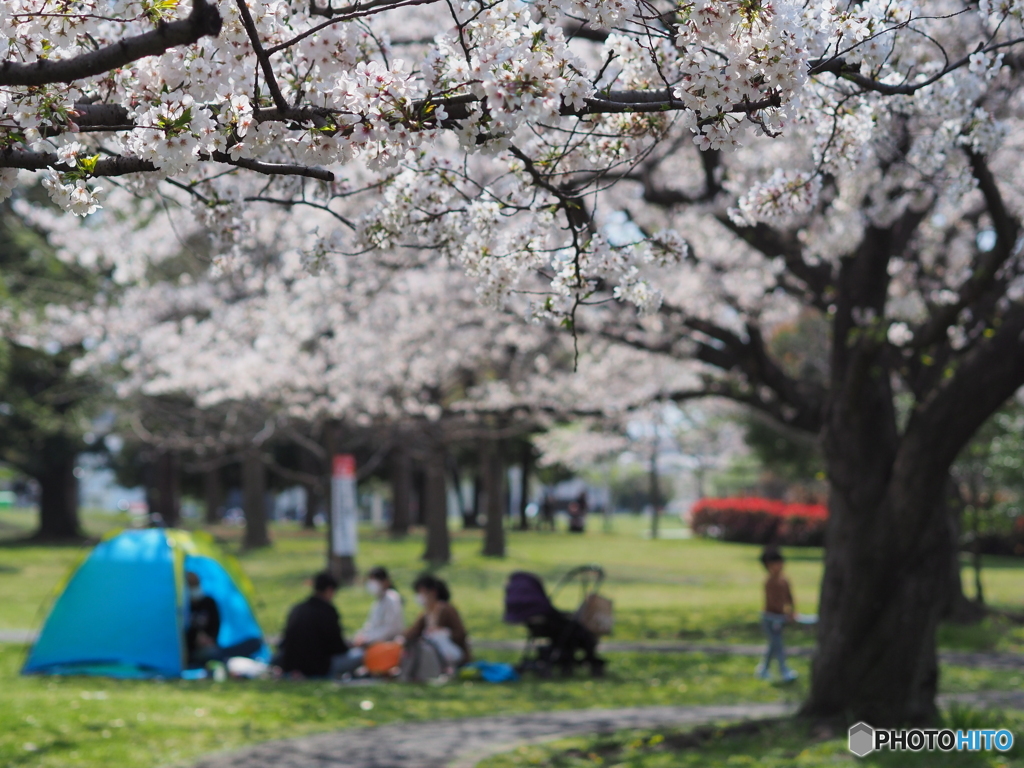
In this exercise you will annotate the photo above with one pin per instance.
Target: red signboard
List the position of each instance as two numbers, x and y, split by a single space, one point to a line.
344 466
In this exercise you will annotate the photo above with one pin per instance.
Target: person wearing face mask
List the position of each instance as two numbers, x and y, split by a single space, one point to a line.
385 622
203 623
437 642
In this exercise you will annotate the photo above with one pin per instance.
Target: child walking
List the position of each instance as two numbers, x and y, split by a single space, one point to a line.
779 608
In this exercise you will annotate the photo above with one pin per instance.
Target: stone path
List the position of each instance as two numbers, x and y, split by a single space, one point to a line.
463 743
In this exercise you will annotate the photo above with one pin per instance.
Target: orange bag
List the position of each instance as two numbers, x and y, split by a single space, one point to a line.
381 658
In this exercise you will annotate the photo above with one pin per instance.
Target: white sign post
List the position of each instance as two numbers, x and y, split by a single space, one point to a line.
344 514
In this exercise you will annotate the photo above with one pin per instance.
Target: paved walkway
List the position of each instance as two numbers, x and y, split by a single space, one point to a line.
463 743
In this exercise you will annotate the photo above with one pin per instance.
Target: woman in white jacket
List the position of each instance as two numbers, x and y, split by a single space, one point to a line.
385 622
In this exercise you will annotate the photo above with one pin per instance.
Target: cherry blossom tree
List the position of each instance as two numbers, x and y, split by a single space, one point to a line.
487 130
908 250
852 160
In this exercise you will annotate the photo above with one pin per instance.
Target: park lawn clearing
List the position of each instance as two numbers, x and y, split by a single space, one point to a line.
697 590
668 589
87 722
788 743
692 590
672 589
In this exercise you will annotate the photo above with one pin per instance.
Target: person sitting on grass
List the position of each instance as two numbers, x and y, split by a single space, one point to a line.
203 623
313 644
437 641
203 629
385 622
779 608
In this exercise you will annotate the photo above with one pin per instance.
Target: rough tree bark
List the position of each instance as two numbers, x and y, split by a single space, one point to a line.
58 500
401 491
890 537
254 500
435 510
494 499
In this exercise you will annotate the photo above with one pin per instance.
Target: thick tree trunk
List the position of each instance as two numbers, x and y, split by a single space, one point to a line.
472 517
435 510
961 609
58 500
655 492
885 589
313 502
888 547
168 488
524 486
456 477
419 504
494 500
213 495
254 500
401 492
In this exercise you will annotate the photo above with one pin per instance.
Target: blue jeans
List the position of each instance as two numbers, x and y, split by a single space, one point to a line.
773 624
346 662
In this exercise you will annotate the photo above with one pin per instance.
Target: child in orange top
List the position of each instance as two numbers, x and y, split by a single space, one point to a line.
779 608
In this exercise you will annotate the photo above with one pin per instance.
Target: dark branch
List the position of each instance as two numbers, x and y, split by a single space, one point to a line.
203 21
120 166
839 67
983 276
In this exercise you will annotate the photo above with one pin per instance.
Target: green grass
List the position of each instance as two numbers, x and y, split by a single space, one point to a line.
666 589
92 722
779 744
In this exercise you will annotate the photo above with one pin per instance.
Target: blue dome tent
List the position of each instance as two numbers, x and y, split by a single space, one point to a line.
123 610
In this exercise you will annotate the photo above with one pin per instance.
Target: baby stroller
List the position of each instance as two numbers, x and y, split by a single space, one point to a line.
556 638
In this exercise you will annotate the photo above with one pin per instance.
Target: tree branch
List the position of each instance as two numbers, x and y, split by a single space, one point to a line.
204 20
839 67
983 276
120 166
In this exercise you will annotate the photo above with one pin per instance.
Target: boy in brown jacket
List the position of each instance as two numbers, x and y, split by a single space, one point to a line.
779 608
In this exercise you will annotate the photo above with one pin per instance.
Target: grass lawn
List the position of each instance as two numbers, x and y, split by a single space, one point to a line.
666 589
781 744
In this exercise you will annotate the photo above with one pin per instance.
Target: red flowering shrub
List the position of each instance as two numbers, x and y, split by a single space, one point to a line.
760 521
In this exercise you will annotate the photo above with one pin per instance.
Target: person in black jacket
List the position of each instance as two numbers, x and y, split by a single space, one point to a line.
203 623
312 642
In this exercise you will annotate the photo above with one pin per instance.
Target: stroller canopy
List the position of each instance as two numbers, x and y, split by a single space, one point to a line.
123 611
525 598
